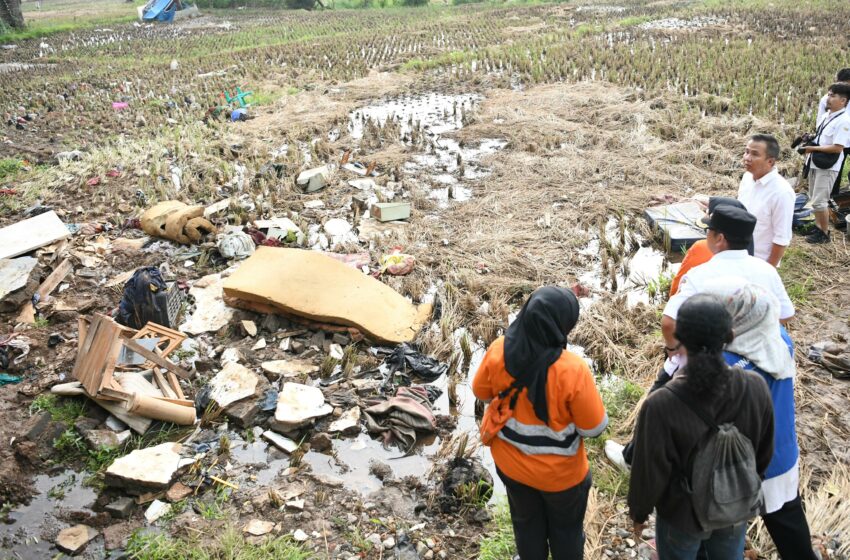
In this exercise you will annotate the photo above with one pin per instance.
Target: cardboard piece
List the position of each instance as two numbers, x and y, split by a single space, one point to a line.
31 234
390 211
27 314
315 286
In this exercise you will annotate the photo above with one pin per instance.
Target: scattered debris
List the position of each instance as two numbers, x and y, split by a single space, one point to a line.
73 540
403 417
233 383
153 468
298 405
315 179
15 276
281 442
348 423
274 280
210 314
390 211
235 244
156 510
32 233
27 313
258 527
176 221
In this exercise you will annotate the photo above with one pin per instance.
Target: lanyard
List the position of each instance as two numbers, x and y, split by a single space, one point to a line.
825 123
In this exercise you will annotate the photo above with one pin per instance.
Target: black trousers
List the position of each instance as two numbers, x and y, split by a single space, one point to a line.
790 531
547 522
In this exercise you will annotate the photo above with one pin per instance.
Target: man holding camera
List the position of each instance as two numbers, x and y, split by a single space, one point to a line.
824 156
768 197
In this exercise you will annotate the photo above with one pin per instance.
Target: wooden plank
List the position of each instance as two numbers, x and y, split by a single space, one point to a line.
82 329
181 402
26 235
156 358
163 384
138 424
27 314
107 393
175 385
171 338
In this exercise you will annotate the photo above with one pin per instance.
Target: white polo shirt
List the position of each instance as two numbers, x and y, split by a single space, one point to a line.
836 131
822 107
771 201
735 264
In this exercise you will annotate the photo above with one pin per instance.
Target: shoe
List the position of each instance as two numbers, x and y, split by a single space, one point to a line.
819 236
614 452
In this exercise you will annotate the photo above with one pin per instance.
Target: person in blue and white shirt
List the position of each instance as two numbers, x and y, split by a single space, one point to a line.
762 345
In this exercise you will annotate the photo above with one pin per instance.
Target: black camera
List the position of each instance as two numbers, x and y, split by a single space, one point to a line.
805 139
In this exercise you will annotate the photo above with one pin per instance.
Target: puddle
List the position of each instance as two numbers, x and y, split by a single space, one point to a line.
17 66
350 461
435 113
258 461
602 9
676 23
33 527
638 272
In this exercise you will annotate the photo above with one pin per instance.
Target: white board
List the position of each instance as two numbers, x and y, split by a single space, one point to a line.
31 234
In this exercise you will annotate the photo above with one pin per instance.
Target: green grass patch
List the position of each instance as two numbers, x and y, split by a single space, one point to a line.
231 546
619 395
454 57
40 29
794 273
498 542
9 167
61 409
264 97
633 21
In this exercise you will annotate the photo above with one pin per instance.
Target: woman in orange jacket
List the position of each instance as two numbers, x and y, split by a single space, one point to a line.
539 452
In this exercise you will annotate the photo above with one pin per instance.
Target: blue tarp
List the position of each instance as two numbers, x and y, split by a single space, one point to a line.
161 10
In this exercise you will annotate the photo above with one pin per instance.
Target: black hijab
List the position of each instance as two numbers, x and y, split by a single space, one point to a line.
536 338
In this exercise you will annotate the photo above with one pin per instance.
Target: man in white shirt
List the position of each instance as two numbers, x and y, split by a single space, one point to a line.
768 197
842 76
729 233
831 137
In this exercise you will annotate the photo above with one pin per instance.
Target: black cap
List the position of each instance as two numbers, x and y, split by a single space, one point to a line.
732 222
714 202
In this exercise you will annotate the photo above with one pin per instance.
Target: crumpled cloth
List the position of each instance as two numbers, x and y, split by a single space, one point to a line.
175 220
397 263
834 357
405 358
235 244
403 417
18 342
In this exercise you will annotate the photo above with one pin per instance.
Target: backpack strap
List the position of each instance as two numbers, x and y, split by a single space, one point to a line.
695 408
709 420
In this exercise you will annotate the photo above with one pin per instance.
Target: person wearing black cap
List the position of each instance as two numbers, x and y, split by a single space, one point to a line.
699 253
730 232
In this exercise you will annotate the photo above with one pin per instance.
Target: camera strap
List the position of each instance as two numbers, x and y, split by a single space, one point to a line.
825 124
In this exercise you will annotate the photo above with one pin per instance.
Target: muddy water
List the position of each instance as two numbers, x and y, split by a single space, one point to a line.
351 460
447 164
635 273
437 113
33 528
